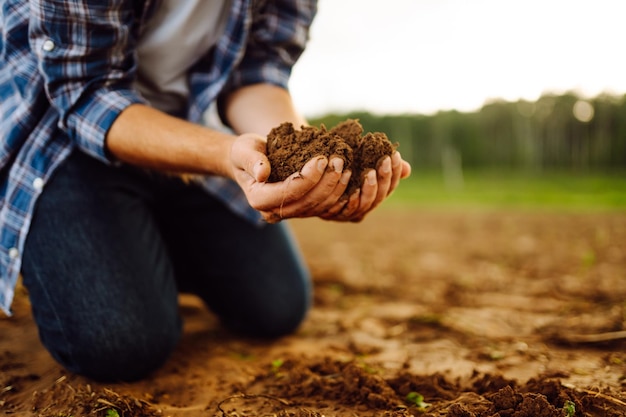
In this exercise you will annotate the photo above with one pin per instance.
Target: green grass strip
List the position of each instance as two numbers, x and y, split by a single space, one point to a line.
489 189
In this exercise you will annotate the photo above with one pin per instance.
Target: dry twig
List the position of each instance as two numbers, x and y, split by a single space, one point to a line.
597 394
594 338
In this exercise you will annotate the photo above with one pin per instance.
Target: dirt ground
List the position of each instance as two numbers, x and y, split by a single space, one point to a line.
481 313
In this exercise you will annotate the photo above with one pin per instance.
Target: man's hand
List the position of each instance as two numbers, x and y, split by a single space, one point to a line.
308 193
378 185
315 191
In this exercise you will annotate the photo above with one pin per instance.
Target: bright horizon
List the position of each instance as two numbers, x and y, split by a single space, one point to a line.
422 56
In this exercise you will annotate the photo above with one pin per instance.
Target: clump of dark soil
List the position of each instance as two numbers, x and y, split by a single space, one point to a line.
288 149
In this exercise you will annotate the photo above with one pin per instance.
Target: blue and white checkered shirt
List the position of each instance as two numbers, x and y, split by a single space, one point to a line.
67 71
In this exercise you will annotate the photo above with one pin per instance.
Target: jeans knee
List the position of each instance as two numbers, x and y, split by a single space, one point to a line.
281 327
115 353
273 319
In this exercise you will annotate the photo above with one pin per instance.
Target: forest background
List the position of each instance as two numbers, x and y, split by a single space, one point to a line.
560 148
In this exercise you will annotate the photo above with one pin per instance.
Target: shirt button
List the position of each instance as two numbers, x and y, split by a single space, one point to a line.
38 184
14 253
48 45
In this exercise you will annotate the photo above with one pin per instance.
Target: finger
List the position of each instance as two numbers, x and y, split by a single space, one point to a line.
325 194
271 217
396 168
352 205
334 213
335 199
384 178
406 170
342 201
248 155
261 169
265 196
405 167
346 213
369 190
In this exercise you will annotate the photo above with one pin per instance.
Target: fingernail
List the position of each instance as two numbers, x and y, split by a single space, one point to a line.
386 165
337 164
321 164
371 177
345 177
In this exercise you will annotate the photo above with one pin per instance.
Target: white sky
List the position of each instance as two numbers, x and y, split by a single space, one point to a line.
421 56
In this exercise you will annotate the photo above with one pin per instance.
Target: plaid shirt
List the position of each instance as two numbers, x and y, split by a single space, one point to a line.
66 72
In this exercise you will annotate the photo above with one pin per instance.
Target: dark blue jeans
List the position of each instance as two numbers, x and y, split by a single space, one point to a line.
110 248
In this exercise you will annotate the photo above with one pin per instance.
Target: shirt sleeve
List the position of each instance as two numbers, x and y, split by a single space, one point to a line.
85 54
278 36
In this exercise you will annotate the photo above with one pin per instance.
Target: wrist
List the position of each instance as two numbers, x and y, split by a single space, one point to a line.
258 108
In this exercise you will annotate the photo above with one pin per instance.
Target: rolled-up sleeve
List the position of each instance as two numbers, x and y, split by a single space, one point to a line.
85 55
278 36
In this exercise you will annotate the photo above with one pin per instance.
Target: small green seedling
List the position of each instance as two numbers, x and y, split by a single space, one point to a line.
569 409
417 399
369 369
112 412
276 364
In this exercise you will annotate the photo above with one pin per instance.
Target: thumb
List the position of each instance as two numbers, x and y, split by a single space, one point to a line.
248 154
261 169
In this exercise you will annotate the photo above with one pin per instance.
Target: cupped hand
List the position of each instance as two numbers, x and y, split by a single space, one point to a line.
313 191
377 186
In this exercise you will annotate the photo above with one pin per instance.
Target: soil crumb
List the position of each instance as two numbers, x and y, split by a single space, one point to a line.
288 149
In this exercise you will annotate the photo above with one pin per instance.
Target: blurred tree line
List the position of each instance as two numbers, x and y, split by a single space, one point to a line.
554 132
